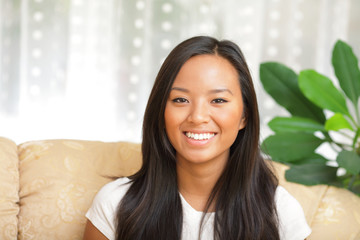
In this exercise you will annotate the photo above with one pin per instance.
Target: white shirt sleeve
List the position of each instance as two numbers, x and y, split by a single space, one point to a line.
292 221
102 213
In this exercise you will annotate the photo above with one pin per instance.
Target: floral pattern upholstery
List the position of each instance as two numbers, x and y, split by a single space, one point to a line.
59 180
331 212
47 186
9 189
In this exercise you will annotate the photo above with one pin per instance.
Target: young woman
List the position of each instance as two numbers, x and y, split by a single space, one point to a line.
202 176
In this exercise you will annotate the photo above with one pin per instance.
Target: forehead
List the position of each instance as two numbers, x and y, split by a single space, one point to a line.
204 71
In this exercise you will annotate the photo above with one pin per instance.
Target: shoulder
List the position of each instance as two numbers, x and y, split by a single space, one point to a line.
292 221
111 194
102 212
114 188
284 198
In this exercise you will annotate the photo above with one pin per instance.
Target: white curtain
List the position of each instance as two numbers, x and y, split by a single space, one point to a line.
84 68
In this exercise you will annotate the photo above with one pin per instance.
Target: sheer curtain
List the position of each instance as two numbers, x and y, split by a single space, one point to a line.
84 68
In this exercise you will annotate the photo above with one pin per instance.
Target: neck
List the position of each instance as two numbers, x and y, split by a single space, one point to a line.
196 181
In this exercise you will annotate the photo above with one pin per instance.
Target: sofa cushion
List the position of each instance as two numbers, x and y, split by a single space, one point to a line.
332 213
9 189
59 178
338 216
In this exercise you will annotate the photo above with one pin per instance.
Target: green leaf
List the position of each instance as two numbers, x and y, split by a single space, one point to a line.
356 190
321 91
281 83
337 122
347 70
357 134
294 124
290 146
349 160
311 159
311 174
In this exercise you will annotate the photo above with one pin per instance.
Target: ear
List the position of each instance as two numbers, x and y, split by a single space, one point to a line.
243 122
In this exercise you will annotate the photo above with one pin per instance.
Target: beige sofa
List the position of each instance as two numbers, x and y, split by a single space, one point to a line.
47 186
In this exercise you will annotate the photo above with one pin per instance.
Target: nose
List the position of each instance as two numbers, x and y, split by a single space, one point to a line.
199 113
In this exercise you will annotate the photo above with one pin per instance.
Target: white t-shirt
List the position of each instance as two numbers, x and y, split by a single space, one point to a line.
102 214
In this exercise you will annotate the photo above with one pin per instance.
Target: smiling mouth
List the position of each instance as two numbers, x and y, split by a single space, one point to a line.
199 136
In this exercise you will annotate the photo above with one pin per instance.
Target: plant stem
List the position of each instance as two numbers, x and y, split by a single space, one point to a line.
340 145
352 180
329 139
357 115
355 138
333 147
353 120
345 135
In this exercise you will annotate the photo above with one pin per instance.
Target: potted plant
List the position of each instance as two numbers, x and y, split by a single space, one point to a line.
320 114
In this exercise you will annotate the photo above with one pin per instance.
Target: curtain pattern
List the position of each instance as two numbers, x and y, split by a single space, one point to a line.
84 68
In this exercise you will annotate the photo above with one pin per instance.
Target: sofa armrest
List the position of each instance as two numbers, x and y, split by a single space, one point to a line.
9 189
58 181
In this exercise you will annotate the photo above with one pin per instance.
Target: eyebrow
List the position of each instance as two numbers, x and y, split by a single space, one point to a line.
180 89
219 90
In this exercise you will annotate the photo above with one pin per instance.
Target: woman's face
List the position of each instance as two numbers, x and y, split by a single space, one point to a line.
204 111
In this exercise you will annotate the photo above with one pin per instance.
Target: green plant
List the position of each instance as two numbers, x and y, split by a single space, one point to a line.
320 114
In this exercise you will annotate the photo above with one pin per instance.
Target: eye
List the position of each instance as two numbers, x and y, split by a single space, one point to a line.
180 100
219 100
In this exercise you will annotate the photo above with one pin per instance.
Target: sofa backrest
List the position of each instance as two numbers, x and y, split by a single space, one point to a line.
47 187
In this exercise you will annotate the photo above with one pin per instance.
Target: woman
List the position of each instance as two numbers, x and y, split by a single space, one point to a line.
202 176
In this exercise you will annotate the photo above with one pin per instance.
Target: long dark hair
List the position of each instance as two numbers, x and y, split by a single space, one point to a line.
244 193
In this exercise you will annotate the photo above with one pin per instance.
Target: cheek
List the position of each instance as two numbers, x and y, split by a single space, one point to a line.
168 120
171 121
231 120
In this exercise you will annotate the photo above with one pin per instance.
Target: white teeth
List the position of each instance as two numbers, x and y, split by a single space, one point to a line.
199 136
